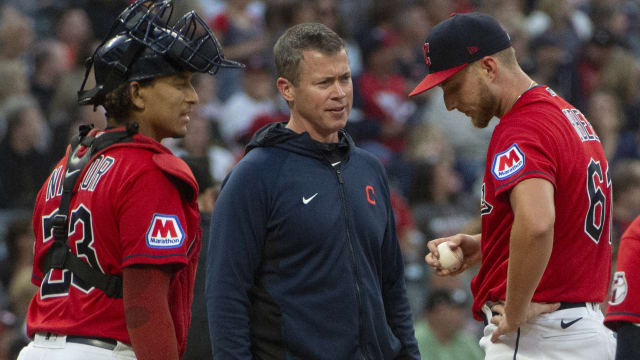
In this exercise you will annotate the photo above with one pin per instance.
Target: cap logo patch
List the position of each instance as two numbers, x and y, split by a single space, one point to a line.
425 49
165 232
508 162
472 49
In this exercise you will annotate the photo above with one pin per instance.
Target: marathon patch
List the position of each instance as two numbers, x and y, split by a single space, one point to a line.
508 162
165 232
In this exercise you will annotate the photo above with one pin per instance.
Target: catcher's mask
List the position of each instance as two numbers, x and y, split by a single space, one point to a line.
142 45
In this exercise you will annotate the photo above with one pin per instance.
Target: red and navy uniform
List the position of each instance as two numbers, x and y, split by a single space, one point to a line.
624 304
543 136
128 210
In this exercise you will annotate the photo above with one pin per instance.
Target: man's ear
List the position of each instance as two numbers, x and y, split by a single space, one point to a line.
286 89
136 95
489 66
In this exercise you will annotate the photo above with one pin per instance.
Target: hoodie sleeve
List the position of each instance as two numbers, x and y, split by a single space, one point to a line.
233 256
394 293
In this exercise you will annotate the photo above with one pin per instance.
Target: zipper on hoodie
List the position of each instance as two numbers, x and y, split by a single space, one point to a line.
355 264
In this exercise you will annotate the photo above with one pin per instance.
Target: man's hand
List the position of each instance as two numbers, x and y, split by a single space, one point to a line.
506 324
470 245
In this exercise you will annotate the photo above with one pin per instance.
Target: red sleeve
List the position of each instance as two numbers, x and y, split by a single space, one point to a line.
520 151
146 307
624 303
152 223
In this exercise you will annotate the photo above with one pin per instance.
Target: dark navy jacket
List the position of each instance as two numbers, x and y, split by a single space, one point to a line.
303 261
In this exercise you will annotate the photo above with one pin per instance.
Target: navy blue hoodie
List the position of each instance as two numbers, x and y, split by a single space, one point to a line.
304 261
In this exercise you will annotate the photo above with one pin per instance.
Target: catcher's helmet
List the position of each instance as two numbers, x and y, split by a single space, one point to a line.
142 45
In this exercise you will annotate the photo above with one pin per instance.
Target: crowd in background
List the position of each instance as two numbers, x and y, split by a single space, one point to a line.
586 51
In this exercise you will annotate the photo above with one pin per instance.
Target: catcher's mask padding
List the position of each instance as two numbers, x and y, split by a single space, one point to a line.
141 45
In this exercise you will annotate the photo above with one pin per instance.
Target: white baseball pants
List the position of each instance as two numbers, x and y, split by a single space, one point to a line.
56 347
570 334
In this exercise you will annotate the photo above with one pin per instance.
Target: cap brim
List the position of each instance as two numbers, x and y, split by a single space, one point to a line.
434 79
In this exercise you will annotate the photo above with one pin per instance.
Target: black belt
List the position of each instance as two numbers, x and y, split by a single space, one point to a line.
571 305
563 306
104 343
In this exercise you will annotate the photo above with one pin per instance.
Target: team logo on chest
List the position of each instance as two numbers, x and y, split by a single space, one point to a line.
165 232
508 162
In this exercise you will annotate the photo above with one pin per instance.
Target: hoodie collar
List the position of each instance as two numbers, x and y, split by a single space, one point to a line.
279 136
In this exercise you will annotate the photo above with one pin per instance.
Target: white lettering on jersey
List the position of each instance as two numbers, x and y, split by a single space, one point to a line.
551 92
97 169
508 162
54 186
165 232
580 124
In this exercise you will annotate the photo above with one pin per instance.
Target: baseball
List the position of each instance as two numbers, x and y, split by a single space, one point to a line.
449 259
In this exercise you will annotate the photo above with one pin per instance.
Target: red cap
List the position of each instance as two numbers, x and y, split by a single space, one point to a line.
434 79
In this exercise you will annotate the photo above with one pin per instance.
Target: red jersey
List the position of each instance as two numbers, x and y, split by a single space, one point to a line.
624 304
127 210
543 136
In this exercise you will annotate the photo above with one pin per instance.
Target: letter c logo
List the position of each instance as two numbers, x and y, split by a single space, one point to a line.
370 192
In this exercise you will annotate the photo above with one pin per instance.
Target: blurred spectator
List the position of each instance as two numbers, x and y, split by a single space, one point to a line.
562 20
440 331
74 30
436 195
469 144
411 24
19 240
21 289
243 107
621 18
198 143
242 34
326 12
626 194
621 76
23 157
510 13
14 82
605 114
384 91
628 145
604 64
442 9
552 64
50 64
209 105
64 103
16 33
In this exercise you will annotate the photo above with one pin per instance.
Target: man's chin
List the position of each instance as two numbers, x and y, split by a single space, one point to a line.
480 123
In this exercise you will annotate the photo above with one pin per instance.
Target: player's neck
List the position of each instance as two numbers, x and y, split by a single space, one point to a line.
522 85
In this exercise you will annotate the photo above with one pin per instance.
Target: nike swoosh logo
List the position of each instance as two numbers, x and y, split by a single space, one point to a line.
565 325
306 201
69 173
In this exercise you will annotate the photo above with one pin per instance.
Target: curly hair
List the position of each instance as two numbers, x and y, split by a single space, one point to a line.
118 103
